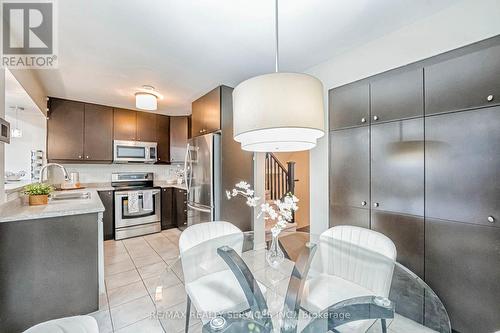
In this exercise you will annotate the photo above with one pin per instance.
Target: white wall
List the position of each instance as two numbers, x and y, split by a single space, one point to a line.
464 23
18 153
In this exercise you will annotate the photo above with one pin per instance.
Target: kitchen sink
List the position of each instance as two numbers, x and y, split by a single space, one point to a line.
70 196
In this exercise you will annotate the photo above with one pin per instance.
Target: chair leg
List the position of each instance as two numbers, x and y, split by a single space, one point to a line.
188 314
384 326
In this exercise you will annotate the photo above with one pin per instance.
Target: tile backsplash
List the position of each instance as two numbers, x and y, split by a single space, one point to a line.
101 173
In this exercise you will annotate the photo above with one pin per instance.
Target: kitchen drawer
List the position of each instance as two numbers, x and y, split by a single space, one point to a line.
467 81
349 105
462 178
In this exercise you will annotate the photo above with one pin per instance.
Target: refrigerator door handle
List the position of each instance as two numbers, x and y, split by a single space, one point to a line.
203 210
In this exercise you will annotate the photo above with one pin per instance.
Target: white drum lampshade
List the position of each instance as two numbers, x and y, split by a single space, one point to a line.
278 112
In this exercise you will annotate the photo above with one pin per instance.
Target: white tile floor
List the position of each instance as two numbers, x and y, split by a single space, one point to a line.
132 269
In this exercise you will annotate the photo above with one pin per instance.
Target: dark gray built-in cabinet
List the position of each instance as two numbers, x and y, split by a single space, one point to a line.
415 154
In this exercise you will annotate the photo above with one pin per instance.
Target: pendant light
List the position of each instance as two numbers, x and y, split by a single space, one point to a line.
16 132
146 99
278 112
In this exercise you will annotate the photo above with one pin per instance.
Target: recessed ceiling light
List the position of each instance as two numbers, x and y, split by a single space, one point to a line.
147 98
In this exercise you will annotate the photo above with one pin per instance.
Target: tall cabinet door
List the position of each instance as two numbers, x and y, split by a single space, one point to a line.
462 166
98 133
397 166
461 266
349 105
65 130
350 176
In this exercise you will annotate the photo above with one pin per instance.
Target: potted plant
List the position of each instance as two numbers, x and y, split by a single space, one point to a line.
38 193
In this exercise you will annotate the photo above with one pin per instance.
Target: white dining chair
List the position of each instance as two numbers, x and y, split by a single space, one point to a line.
351 262
210 284
81 324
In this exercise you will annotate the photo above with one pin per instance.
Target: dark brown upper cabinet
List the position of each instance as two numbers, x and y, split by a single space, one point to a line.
462 166
98 145
125 124
146 127
397 166
206 113
349 105
178 138
65 130
163 137
467 81
397 95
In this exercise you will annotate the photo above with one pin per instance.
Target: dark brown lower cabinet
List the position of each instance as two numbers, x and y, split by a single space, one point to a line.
462 266
108 220
180 204
407 233
346 215
167 205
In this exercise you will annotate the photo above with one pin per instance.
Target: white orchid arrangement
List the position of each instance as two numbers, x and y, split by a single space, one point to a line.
286 207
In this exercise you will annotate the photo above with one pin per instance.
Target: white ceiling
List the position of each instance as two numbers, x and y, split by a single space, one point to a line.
108 49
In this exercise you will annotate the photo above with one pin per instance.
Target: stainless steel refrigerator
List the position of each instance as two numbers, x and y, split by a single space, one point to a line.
214 164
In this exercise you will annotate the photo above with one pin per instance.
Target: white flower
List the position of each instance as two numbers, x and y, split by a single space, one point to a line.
235 192
243 185
228 195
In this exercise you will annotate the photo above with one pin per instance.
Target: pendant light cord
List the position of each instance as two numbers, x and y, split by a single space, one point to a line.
277 36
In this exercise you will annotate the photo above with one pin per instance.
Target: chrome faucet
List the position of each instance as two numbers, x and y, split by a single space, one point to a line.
66 178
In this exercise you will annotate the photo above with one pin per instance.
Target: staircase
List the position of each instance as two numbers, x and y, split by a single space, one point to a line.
280 180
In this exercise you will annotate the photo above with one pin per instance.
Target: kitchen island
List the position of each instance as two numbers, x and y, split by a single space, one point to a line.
51 260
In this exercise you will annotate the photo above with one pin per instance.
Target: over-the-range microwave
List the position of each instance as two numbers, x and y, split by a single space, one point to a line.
134 152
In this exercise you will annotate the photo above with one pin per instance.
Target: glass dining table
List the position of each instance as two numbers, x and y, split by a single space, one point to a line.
320 285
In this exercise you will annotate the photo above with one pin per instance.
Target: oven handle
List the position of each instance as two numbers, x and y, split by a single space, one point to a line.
203 210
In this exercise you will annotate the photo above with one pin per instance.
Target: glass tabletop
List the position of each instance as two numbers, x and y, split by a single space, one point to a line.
322 284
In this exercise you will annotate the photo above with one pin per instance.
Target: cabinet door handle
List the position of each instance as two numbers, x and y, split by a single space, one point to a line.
376 204
363 120
87 157
375 118
79 156
491 219
490 98
363 203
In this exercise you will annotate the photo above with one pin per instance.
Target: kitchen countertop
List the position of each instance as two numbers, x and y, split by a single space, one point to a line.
11 187
18 210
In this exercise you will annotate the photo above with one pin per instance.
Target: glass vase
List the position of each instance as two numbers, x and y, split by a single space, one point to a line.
275 255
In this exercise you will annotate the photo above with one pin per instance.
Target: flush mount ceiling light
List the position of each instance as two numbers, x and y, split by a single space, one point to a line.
278 112
147 98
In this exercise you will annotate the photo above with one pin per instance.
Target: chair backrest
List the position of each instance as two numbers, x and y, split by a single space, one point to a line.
359 255
198 246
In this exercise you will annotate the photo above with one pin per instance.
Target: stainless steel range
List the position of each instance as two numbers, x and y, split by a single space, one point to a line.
137 204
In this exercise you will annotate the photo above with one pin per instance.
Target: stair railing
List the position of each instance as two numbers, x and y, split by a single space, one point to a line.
280 180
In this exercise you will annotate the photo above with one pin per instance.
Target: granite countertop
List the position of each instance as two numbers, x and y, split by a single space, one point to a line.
18 210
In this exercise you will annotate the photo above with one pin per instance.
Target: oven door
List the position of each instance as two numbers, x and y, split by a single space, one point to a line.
123 218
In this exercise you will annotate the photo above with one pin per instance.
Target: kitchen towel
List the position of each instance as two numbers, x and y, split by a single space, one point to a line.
147 200
133 202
